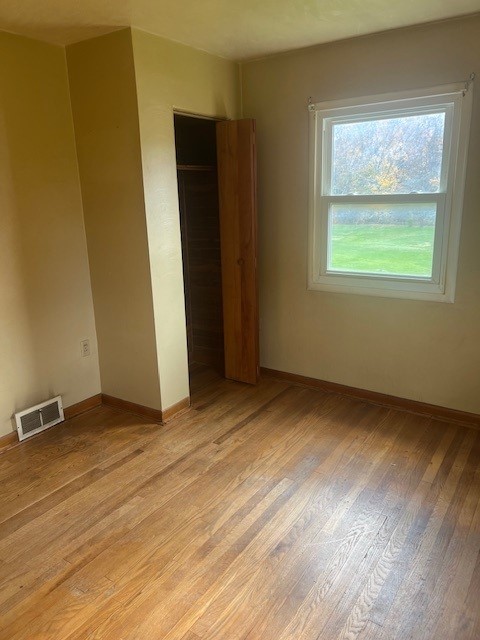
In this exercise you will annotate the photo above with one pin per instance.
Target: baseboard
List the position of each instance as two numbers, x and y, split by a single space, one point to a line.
175 409
8 441
132 407
157 415
11 439
80 407
403 404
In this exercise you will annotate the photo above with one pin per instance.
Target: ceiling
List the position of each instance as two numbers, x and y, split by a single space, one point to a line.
236 29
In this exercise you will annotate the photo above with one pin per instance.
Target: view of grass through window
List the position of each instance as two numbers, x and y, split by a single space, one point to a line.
382 239
382 157
389 239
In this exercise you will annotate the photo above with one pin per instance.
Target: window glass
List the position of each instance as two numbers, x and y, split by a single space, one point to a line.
393 239
388 155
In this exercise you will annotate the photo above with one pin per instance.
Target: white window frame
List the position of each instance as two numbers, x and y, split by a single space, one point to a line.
456 101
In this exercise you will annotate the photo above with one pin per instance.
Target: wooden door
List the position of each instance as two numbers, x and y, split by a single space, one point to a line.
238 240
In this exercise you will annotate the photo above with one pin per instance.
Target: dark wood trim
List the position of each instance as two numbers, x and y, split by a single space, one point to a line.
211 357
132 407
8 441
196 167
176 409
403 404
81 407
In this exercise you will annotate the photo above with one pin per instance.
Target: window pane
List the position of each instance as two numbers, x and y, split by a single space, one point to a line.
391 155
393 239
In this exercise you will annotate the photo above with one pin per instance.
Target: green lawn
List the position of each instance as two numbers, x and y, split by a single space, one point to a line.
377 248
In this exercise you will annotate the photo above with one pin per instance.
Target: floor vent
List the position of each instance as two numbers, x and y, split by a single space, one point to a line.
40 417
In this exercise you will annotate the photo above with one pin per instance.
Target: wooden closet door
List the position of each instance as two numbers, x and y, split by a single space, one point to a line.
236 160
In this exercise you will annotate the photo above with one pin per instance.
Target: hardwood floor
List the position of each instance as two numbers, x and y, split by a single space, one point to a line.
272 512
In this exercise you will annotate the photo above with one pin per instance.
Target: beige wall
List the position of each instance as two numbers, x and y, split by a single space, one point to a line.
103 94
172 76
422 350
46 306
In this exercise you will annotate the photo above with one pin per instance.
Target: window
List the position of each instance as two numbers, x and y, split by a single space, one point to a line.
386 192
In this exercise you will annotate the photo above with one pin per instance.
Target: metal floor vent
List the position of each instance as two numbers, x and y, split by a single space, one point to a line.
40 417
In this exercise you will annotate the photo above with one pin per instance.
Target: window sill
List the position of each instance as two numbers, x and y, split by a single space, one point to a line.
382 287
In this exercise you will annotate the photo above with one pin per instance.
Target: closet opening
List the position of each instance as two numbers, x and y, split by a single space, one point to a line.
196 151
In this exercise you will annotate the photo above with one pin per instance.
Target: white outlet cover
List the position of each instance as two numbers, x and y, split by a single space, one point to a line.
85 347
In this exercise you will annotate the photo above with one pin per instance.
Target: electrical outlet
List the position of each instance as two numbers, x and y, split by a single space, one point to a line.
85 346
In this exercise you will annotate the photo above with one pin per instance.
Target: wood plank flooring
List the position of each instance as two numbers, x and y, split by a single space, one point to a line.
272 512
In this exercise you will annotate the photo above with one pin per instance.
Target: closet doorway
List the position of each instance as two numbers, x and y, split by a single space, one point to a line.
216 171
196 148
